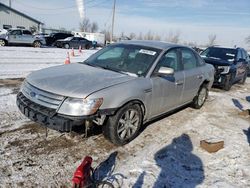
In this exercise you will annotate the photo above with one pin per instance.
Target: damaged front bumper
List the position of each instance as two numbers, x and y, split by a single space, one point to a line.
50 118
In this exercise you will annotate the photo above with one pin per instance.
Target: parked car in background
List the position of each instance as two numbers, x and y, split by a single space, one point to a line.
73 42
231 65
53 37
120 87
21 37
3 32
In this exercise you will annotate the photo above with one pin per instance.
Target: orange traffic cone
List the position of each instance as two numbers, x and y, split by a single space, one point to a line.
67 60
72 52
80 49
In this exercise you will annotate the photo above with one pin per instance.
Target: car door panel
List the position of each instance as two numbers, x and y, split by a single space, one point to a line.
192 73
167 89
193 81
166 93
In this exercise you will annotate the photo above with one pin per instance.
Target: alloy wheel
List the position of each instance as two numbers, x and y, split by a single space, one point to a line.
128 124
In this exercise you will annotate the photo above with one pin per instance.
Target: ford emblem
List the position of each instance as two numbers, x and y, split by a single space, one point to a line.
32 94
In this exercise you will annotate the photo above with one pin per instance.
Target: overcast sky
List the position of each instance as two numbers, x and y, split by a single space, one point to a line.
194 19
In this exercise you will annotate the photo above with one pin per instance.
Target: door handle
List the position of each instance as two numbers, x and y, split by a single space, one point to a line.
178 83
200 76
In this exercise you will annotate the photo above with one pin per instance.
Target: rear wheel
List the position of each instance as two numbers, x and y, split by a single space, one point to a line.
2 42
66 46
201 97
125 125
37 44
87 46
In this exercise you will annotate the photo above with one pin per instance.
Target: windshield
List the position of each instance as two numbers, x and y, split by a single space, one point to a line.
220 53
129 59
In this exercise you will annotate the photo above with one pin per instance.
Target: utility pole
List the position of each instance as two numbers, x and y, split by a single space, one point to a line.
113 20
10 3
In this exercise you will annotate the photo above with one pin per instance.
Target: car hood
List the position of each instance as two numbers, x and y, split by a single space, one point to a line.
215 61
75 80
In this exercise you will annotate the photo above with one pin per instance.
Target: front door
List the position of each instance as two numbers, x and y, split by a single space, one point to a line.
15 37
167 90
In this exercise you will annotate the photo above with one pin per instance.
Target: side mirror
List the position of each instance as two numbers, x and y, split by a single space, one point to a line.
165 71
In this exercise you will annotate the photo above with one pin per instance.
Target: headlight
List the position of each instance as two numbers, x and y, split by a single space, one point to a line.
80 107
224 69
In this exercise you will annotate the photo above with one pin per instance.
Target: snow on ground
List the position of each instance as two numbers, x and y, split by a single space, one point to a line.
166 152
16 62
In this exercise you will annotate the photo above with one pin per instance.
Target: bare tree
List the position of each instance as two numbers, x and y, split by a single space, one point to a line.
157 37
94 27
132 35
148 36
173 37
85 25
140 37
211 39
107 34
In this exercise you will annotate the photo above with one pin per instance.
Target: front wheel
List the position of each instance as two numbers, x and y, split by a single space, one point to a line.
201 97
2 42
125 125
37 44
228 82
66 46
243 80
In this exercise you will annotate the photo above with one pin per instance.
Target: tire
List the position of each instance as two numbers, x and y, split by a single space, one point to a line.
243 80
201 97
66 46
37 44
87 46
125 125
2 42
228 83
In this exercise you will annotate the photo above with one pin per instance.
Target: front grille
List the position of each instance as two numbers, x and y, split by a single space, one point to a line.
41 97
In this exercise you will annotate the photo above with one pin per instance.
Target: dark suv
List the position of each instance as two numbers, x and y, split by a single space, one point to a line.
231 65
53 37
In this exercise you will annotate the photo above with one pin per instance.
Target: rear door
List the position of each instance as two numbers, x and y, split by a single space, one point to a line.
192 73
27 37
167 90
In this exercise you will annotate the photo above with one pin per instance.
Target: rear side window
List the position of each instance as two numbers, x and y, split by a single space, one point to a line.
189 60
26 32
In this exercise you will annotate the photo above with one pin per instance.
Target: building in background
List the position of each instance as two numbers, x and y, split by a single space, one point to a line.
11 18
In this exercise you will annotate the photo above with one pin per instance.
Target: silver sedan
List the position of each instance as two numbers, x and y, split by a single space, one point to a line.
120 87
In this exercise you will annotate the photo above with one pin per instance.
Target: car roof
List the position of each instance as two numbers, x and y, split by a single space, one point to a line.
225 47
151 43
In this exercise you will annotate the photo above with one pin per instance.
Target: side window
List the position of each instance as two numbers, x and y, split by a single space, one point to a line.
26 32
245 55
7 27
16 32
111 54
170 60
189 60
20 27
239 55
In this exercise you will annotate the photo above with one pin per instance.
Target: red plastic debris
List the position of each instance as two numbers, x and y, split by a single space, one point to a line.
82 174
